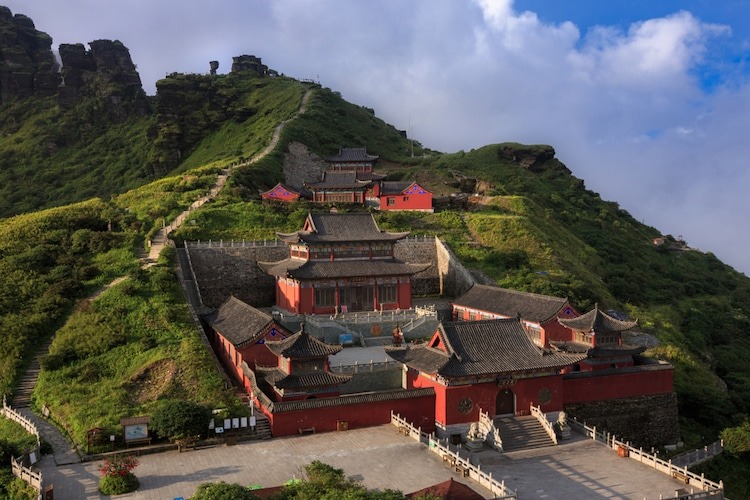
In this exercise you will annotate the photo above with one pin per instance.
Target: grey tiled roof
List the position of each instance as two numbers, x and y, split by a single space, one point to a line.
352 154
302 346
341 227
476 348
401 187
597 321
598 351
282 380
339 180
301 269
393 187
512 303
238 322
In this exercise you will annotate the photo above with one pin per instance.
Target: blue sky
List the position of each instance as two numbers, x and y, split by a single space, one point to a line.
647 101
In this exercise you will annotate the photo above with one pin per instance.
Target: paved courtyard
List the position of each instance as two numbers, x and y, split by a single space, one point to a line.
381 458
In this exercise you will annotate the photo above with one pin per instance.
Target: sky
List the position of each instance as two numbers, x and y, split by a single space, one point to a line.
648 102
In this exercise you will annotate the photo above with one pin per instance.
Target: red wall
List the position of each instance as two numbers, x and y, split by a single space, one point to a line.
414 202
614 386
419 411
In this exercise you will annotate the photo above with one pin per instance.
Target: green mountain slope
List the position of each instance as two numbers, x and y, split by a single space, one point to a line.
533 227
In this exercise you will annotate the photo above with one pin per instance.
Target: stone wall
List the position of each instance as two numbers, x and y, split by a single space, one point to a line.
455 278
421 251
642 420
225 271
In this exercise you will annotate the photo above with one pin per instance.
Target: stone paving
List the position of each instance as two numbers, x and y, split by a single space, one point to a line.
381 458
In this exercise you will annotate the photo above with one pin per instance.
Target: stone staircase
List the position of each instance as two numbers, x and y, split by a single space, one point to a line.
262 426
522 433
22 394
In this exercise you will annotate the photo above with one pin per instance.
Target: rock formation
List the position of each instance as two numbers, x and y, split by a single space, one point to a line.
106 71
27 65
28 68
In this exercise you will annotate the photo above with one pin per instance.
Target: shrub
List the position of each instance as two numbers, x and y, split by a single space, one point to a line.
117 476
222 491
174 419
117 485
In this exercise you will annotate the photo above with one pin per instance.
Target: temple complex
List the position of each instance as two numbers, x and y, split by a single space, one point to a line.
505 352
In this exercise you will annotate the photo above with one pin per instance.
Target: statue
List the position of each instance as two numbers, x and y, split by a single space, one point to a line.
474 438
562 429
474 431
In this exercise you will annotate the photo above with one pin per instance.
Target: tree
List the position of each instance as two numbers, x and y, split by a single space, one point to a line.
737 439
174 419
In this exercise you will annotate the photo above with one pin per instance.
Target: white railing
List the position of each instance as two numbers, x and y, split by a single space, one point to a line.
31 477
235 244
192 275
700 455
707 488
396 315
542 418
489 431
453 458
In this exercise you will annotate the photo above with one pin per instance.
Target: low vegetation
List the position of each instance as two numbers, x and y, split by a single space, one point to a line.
124 353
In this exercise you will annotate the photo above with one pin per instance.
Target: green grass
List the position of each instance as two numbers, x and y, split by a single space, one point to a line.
118 356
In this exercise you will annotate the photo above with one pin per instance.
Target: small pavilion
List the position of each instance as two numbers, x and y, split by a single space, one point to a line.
303 370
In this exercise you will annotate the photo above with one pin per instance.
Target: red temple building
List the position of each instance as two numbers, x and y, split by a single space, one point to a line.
489 365
240 332
349 179
539 313
339 187
281 192
600 336
493 365
404 196
342 263
354 160
302 369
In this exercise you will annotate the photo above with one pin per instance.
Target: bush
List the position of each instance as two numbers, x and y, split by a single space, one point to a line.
117 476
174 419
222 491
117 485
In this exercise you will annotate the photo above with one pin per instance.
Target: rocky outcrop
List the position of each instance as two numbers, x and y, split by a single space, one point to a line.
27 65
302 165
249 63
532 157
105 71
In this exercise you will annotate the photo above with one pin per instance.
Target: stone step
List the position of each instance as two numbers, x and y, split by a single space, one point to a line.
521 433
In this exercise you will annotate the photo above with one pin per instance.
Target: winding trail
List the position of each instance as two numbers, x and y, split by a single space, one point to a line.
64 450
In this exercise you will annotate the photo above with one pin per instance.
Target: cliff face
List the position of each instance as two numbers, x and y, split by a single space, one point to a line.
28 68
106 72
27 65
